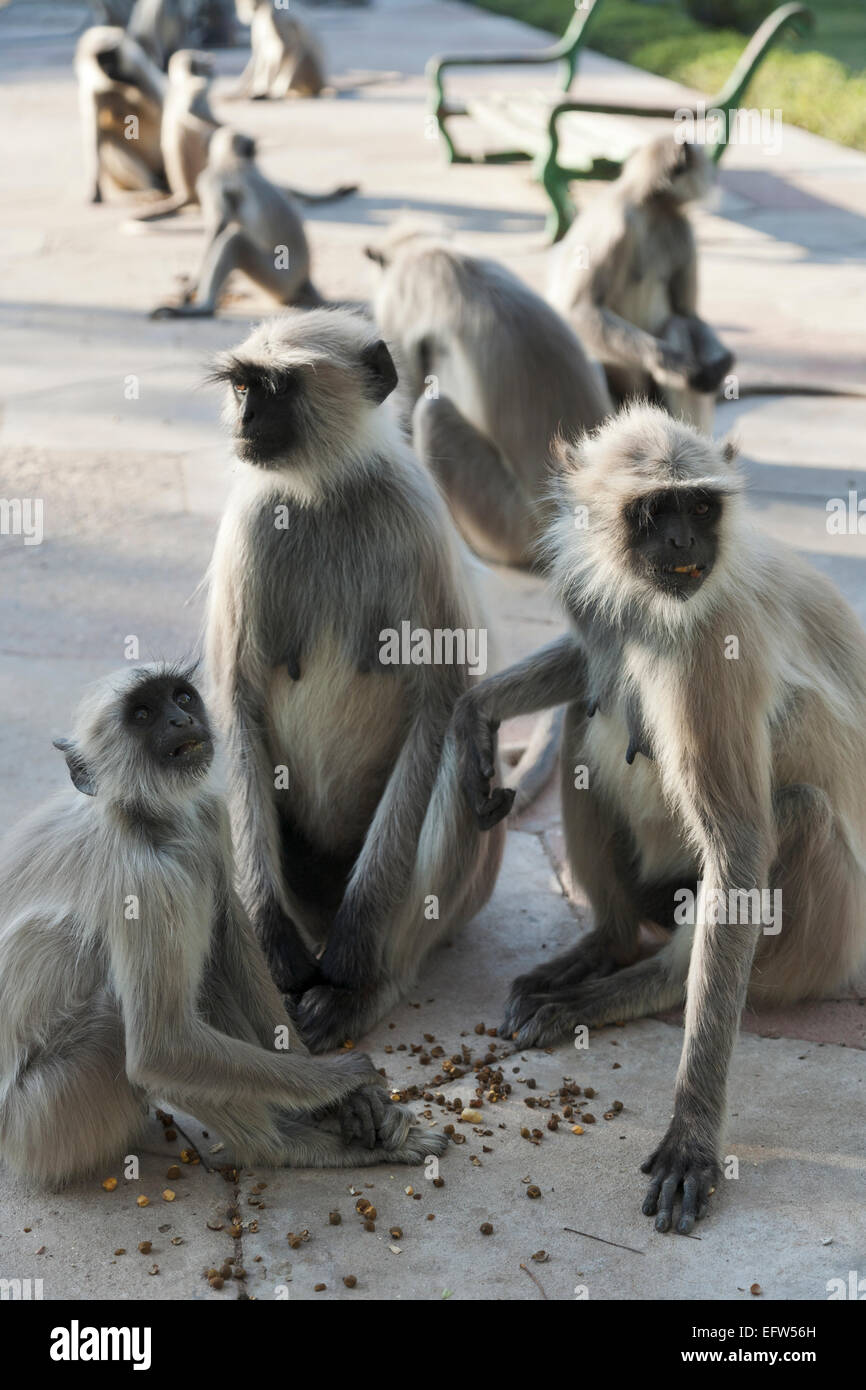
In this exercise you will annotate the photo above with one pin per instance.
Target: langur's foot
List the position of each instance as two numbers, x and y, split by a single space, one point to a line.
371 1119
680 1162
549 980
328 1016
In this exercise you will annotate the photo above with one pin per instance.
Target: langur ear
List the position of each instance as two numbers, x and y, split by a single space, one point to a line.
78 770
380 371
729 451
376 256
245 146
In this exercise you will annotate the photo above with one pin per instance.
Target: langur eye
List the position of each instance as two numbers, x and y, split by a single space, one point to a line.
183 697
701 508
141 715
241 388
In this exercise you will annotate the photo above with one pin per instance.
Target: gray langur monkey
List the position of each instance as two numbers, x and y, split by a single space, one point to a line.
251 225
286 60
120 93
494 376
714 753
161 27
129 972
188 124
626 277
341 628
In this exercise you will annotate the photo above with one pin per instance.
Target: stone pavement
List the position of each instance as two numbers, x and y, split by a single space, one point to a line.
132 490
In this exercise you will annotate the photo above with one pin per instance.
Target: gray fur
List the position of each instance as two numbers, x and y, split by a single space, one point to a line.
511 377
372 822
188 124
248 222
117 80
752 776
286 60
100 1014
626 277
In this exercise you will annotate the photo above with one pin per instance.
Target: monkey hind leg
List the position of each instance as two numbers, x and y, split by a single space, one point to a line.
819 884
648 987
487 505
72 1110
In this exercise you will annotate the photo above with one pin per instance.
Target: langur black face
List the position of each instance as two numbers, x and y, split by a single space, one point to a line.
275 415
674 538
270 420
168 717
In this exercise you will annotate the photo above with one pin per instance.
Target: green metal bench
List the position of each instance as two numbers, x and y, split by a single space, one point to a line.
563 138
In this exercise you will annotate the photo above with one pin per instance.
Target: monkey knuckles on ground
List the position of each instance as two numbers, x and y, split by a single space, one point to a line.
471 959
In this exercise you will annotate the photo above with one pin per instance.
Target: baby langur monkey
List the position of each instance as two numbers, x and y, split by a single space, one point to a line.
188 124
120 93
494 375
714 749
129 972
251 225
335 556
626 276
286 60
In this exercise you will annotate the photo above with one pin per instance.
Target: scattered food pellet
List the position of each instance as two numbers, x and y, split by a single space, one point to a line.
110 1184
173 1171
577 1129
216 1281
319 1288
334 1218
438 1182
145 1247
410 1191
396 1232
350 1281
588 1119
177 1240
541 1257
369 1225
168 1195
121 1251
533 1191
486 1229
472 1117
213 1225
755 1288
240 1273
154 1269
142 1201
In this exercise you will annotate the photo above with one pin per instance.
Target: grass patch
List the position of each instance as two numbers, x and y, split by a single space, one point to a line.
818 82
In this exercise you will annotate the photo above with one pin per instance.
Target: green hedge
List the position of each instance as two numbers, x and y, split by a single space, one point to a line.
812 89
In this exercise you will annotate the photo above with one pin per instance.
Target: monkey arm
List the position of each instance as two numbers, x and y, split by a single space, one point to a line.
723 787
712 359
554 676
256 829
385 866
618 343
170 1048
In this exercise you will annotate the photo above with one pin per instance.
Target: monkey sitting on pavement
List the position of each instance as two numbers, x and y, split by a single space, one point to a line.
712 770
286 60
626 277
341 629
128 969
188 124
120 92
251 225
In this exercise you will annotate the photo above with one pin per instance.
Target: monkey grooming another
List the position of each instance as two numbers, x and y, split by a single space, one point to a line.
251 225
715 736
120 94
188 124
286 60
496 375
128 969
626 277
350 826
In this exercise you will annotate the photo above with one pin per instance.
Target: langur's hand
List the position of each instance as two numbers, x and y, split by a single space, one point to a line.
708 376
672 367
680 1161
476 763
